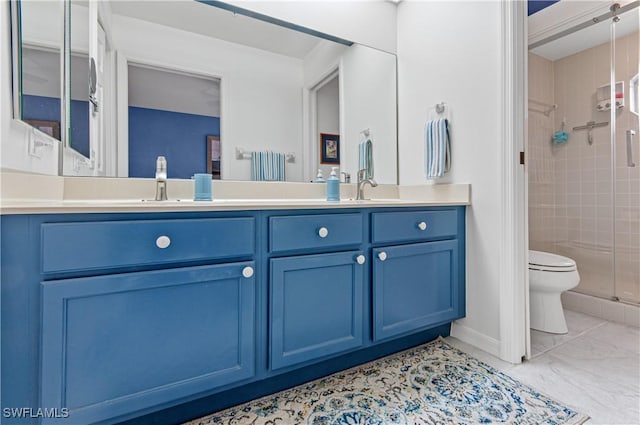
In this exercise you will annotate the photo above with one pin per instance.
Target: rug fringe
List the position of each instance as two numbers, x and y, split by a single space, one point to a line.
579 419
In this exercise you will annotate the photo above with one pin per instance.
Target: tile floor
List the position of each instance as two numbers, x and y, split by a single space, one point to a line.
594 369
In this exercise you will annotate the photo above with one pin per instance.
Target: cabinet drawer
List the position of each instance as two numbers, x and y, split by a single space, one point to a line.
108 244
413 226
289 233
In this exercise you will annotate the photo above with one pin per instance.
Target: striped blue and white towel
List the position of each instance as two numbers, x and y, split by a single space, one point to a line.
267 166
437 149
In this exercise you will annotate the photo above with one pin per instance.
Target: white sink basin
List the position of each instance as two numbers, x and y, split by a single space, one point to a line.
270 201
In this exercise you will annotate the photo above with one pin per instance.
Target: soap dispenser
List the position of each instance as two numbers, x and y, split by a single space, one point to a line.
333 185
319 177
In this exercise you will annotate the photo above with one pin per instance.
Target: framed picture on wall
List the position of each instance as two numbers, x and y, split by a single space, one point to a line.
329 148
52 128
213 156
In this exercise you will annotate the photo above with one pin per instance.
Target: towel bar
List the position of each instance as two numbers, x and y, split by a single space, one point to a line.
290 157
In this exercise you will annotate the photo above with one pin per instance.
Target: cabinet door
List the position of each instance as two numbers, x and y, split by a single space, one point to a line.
120 343
414 287
316 306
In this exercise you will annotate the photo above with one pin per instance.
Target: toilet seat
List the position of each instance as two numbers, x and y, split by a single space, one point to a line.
545 261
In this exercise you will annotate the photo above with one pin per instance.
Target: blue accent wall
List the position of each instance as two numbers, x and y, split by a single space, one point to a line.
534 6
80 126
181 138
48 109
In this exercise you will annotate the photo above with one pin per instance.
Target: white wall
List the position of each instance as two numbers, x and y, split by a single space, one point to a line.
322 61
169 91
450 52
39 24
328 110
372 23
260 90
328 107
369 98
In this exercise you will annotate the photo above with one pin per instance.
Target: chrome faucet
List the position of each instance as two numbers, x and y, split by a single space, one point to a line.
347 177
161 179
361 182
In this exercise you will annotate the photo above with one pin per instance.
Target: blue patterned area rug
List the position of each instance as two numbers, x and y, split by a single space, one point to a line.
431 384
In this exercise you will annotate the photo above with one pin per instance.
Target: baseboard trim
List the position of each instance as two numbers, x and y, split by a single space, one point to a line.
613 311
475 338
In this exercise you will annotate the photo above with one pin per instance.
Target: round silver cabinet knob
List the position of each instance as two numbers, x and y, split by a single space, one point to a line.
247 272
163 242
422 225
360 259
323 232
382 256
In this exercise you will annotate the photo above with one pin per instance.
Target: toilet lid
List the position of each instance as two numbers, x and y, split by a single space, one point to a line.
539 260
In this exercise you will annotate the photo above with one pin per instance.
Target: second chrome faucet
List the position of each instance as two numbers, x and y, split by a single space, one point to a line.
161 179
362 181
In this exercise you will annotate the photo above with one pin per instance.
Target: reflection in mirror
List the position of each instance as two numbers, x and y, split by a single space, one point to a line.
78 74
270 82
266 76
38 78
86 151
171 114
327 117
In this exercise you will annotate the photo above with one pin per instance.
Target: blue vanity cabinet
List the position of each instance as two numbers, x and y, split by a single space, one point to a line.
316 306
118 315
115 314
117 343
417 285
316 286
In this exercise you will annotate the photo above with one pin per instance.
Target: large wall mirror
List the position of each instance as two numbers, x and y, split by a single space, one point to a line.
214 90
37 64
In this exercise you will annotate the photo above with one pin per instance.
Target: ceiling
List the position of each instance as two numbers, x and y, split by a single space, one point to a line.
173 91
541 24
211 21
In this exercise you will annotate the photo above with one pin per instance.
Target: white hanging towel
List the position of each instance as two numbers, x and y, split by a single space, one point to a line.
267 166
437 149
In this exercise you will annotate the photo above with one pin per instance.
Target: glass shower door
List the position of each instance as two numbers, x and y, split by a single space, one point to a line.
584 150
571 179
625 70
571 186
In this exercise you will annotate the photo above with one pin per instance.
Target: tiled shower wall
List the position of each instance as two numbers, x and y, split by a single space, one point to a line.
570 184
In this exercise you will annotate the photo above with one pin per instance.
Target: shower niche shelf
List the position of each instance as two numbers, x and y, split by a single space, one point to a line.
603 97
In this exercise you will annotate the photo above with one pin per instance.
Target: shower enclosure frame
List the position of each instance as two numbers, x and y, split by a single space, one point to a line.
611 18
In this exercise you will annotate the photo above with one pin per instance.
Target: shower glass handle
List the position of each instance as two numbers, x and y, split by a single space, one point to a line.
630 134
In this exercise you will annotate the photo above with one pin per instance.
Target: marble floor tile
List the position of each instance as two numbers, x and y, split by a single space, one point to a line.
600 360
605 401
594 369
577 323
618 335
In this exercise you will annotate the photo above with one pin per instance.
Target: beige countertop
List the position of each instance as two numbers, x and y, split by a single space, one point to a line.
22 193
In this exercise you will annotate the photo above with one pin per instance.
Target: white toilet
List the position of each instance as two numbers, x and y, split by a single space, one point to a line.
549 276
